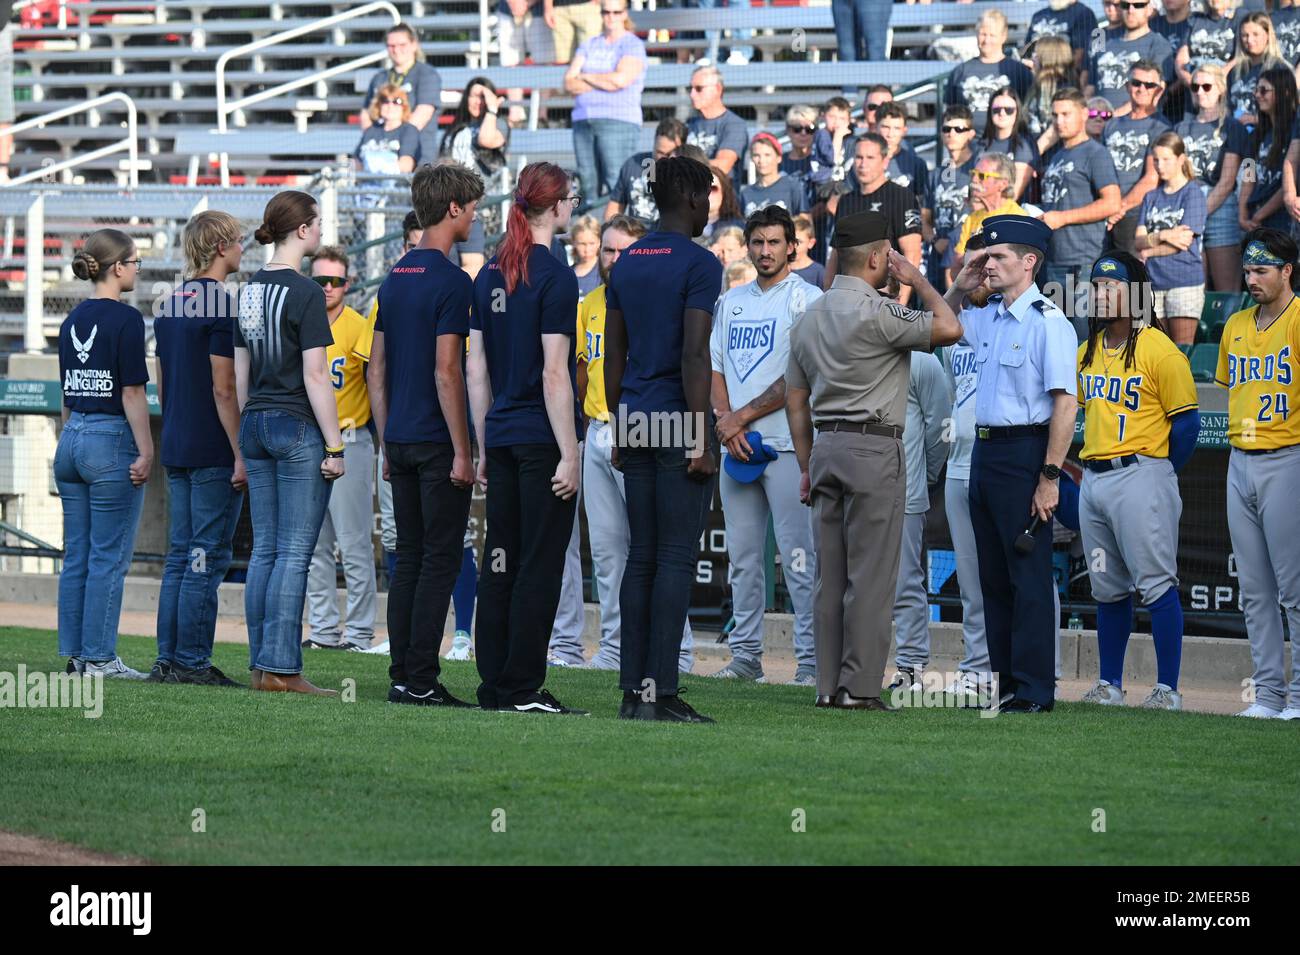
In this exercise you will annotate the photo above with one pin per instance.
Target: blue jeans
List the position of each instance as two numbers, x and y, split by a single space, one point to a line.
203 513
287 501
101 511
665 516
861 27
600 148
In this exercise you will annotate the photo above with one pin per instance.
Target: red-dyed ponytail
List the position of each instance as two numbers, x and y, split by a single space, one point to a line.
541 185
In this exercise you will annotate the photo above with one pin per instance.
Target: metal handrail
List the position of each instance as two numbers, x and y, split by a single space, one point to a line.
224 109
130 143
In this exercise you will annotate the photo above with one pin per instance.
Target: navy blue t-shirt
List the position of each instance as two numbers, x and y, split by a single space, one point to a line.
423 297
812 274
196 322
1074 23
653 283
547 304
909 170
101 351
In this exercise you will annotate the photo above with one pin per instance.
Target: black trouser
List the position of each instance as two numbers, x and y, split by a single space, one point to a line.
528 530
430 513
1019 612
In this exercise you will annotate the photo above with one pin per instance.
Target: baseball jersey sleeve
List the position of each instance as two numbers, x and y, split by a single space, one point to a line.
717 337
365 339
1175 384
1080 390
1221 370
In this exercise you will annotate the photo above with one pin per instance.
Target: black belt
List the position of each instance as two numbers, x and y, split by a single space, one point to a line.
862 427
1110 464
987 432
1265 450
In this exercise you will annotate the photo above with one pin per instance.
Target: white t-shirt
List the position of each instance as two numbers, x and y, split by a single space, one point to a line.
750 345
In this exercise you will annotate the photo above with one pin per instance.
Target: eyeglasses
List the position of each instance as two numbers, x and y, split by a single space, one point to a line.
1003 110
1263 91
1143 85
1132 5
576 200
329 281
1099 114
804 130
136 262
613 13
979 175
1203 87
956 129
385 101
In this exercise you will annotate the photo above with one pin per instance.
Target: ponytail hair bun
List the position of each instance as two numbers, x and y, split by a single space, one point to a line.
84 265
103 249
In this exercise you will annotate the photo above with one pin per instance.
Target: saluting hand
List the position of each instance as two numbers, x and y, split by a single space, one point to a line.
903 271
971 275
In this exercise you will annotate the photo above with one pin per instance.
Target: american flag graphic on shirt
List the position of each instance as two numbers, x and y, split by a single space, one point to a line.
261 308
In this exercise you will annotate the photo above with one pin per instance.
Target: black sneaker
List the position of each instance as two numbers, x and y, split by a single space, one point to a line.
673 709
395 692
631 705
438 696
74 665
162 672
543 702
205 676
313 644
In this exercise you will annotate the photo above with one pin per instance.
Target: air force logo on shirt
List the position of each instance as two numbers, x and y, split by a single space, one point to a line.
83 348
748 343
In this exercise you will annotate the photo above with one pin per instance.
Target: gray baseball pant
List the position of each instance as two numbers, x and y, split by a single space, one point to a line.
1264 523
911 603
566 633
956 496
349 522
387 524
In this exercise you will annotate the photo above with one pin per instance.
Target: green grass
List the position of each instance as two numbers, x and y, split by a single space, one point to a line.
288 779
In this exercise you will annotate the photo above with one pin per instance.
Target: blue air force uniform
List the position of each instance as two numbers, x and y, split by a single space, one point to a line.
1024 352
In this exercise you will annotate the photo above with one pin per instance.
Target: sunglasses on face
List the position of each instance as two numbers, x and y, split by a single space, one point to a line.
613 13
1143 85
805 130
384 101
1130 5
329 281
1099 114
1263 91
1203 87
956 130
1003 110
871 107
701 89
979 175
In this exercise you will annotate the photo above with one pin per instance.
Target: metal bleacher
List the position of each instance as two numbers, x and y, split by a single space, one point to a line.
164 56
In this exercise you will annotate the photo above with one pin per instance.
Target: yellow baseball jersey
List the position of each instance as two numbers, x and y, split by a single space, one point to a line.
1127 410
590 346
971 224
347 357
1260 372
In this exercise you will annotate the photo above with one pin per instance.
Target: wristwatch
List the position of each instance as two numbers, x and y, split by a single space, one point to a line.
1051 472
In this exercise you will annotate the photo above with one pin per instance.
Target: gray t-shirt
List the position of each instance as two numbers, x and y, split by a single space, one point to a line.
786 192
1128 141
1110 68
929 406
281 315
1073 179
727 131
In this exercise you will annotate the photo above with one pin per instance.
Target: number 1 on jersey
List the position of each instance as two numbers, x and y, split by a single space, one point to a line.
1122 421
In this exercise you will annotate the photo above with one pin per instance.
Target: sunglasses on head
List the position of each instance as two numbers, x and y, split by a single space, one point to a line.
329 281
1003 110
1143 84
801 129
385 101
1099 114
956 129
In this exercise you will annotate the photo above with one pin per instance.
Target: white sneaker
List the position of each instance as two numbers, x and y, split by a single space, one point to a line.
965 687
1105 694
1163 697
378 648
1260 712
740 670
1290 713
462 648
114 668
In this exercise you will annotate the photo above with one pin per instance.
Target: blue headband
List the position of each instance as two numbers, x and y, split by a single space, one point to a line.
1258 254
1108 268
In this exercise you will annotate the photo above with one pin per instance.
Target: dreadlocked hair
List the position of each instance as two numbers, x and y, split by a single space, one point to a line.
677 179
541 186
1142 309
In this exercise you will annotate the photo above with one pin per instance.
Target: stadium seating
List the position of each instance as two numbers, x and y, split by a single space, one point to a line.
1205 359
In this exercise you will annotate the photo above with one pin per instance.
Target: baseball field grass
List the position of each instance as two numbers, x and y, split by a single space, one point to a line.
288 779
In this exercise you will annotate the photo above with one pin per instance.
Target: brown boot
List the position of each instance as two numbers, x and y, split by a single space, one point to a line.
291 683
255 679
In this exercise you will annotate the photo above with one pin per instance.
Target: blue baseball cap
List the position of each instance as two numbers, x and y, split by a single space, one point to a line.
746 472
